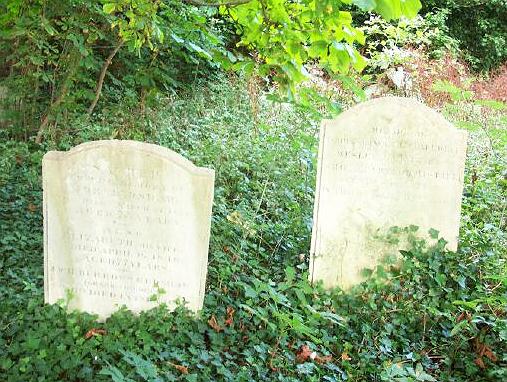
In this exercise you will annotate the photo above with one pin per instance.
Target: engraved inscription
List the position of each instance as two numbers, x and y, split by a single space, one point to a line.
122 224
386 162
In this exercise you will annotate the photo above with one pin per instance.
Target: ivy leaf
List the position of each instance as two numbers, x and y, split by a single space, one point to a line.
115 374
290 274
459 327
433 233
145 369
421 375
109 8
249 291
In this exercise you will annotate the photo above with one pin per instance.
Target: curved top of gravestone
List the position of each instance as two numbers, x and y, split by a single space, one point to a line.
392 107
147 148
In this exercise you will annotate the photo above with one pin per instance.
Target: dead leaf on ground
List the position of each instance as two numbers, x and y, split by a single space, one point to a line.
230 316
323 359
214 324
32 207
479 362
94 332
463 316
489 353
345 357
483 349
304 352
182 369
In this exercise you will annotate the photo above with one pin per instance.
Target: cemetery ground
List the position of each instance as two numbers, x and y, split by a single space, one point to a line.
439 315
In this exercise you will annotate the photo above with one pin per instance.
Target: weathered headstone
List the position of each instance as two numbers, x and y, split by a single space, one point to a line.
387 162
123 220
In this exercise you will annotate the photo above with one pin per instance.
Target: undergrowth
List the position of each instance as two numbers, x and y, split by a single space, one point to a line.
439 316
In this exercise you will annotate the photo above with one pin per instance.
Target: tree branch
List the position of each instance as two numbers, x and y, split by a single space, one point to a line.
230 3
102 75
67 82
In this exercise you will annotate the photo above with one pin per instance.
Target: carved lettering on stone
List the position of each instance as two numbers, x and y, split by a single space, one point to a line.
123 220
387 162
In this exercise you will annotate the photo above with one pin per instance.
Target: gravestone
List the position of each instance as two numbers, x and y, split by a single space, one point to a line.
387 162
124 220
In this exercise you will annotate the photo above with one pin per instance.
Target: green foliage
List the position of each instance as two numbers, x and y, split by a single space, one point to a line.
59 57
480 26
457 94
485 116
53 54
392 43
432 317
285 35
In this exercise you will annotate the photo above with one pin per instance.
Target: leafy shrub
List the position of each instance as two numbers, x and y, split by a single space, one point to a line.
479 26
55 53
392 43
58 57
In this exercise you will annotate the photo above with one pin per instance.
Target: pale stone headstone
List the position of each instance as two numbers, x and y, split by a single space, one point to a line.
122 220
387 162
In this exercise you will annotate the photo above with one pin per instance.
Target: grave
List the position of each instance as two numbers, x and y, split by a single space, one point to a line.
387 162
125 221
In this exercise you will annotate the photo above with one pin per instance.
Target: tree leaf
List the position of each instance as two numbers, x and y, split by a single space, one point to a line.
409 8
109 8
318 49
365 5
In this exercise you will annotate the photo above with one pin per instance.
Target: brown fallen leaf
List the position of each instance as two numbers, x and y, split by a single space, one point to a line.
479 362
345 357
94 332
484 350
463 316
304 352
214 324
489 353
474 177
182 369
32 207
230 316
323 359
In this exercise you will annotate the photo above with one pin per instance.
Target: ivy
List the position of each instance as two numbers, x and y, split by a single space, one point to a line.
437 315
